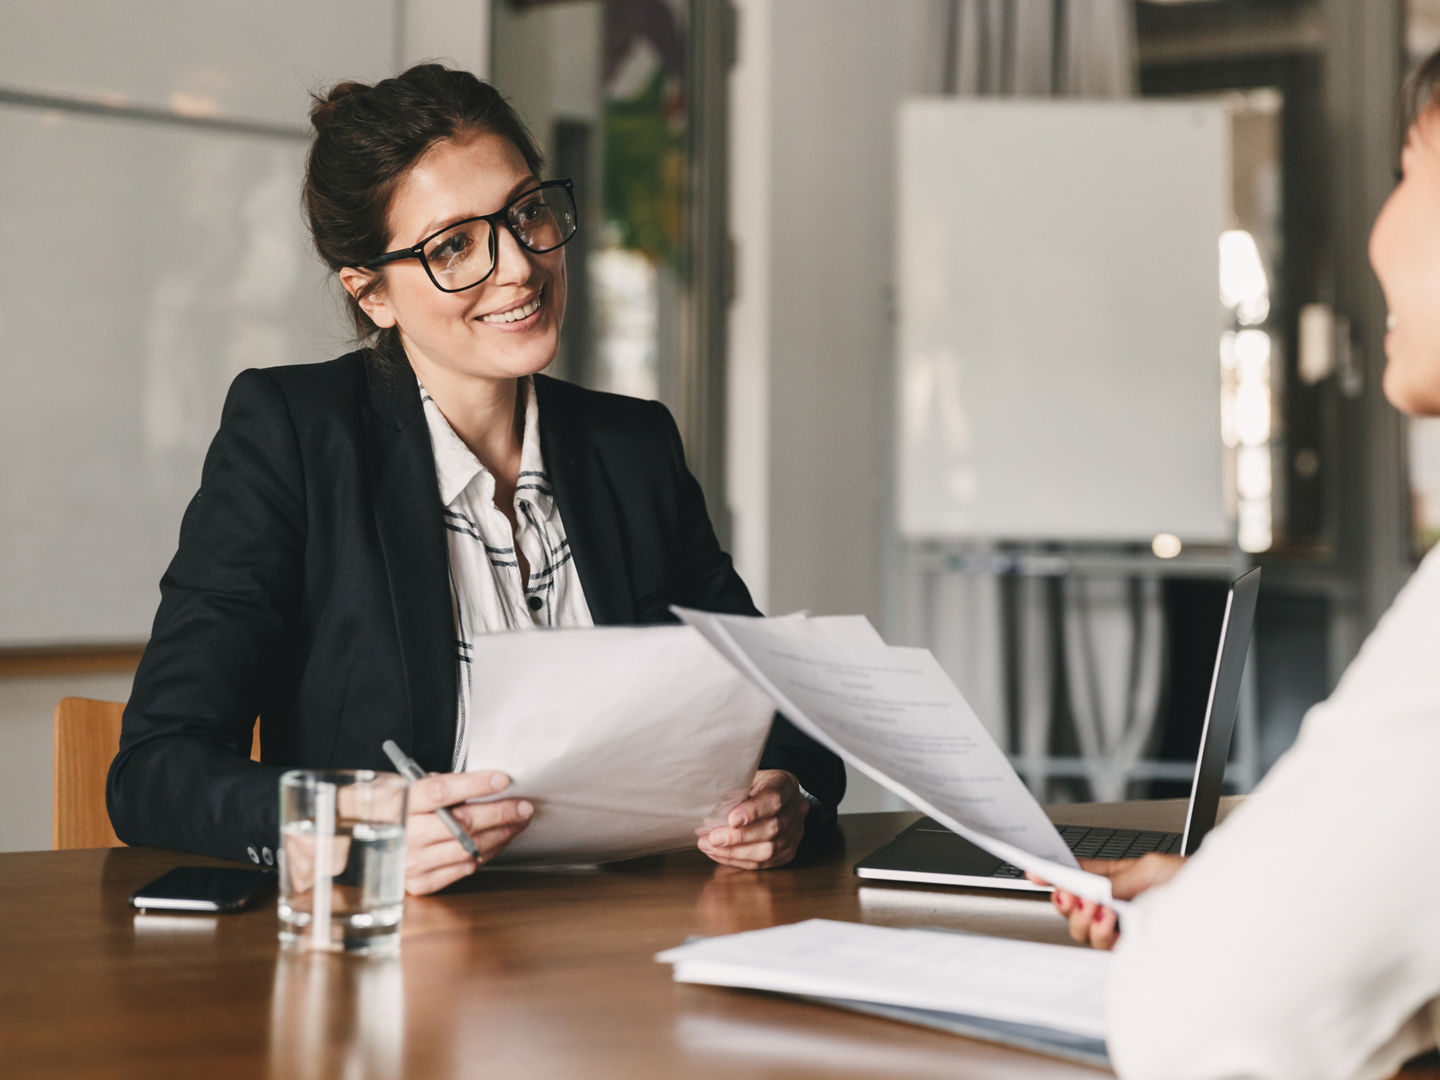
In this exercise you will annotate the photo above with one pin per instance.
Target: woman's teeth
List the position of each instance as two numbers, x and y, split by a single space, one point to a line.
524 311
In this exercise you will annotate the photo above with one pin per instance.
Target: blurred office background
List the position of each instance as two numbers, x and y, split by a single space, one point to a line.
961 306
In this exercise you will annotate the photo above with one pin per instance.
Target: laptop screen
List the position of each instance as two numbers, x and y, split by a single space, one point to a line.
1221 709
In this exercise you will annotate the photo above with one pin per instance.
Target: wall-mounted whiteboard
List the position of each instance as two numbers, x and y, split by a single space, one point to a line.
255 61
1059 373
154 246
146 264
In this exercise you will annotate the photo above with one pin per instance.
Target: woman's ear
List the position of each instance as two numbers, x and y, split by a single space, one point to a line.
372 303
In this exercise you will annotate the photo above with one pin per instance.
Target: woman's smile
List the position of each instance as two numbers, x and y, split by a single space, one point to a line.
520 316
504 328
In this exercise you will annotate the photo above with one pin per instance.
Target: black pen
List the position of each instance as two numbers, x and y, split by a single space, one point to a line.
411 770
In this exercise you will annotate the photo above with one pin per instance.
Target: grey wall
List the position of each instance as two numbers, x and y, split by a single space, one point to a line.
814 101
833 175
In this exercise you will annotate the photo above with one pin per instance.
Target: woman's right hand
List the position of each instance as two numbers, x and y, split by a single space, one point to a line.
1096 924
433 857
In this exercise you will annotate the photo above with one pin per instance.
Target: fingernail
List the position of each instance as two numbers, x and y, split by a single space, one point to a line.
524 809
719 839
499 782
737 819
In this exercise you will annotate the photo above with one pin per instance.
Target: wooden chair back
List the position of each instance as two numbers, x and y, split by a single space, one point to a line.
87 735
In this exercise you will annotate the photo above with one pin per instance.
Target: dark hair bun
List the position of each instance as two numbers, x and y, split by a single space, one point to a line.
324 109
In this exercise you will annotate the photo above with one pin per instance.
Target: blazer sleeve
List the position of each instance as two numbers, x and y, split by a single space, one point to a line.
708 581
222 638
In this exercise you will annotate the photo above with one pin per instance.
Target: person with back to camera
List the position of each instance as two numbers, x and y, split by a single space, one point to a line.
360 522
1303 939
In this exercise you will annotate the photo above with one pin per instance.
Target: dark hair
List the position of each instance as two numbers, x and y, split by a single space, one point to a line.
1420 95
368 137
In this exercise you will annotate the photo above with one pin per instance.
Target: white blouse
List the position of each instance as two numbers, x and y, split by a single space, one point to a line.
1303 939
486 591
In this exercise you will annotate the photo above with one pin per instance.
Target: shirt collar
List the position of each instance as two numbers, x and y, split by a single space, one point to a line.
534 483
456 467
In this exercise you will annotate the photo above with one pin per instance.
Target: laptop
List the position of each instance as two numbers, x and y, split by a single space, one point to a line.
928 853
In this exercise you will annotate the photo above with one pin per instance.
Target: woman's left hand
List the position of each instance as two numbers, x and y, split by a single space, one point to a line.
765 829
1097 925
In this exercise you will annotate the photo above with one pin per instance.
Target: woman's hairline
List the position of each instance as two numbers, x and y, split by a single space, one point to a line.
462 134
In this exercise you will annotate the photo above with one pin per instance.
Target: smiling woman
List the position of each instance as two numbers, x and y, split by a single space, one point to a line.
1405 252
477 307
1267 954
361 524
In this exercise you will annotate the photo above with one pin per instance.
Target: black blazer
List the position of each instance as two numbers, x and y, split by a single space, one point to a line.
311 589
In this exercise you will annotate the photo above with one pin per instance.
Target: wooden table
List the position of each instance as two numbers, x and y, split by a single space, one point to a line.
522 974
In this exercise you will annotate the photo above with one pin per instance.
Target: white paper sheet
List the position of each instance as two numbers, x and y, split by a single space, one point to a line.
627 740
894 714
1055 986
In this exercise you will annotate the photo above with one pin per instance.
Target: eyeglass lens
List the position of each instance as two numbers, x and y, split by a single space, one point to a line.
464 255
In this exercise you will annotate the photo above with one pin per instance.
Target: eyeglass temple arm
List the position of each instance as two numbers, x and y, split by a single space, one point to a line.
389 257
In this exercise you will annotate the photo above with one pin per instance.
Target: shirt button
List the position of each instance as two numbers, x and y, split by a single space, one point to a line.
535 603
254 855
268 856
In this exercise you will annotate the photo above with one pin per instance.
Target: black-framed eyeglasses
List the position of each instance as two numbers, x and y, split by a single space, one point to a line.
462 255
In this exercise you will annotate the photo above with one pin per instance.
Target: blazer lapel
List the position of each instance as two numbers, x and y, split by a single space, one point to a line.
587 507
412 543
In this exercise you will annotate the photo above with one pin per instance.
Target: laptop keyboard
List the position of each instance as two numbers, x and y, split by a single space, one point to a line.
1093 842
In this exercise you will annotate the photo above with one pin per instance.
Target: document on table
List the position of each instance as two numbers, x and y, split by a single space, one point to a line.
629 741
1044 997
895 715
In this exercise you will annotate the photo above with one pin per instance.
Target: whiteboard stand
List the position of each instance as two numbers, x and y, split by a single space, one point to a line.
1057 406
955 595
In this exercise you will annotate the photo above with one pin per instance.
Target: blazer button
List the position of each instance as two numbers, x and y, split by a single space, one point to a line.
535 603
268 856
254 855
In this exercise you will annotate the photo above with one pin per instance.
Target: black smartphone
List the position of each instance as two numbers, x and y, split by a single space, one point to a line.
203 888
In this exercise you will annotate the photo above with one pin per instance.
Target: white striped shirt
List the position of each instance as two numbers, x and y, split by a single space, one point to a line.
485 587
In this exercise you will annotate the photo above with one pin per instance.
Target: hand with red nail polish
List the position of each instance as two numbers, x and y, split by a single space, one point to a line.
1095 924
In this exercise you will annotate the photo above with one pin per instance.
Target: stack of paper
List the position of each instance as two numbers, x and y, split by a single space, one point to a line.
1041 997
628 740
635 740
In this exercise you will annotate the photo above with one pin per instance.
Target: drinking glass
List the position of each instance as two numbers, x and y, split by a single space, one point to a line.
342 860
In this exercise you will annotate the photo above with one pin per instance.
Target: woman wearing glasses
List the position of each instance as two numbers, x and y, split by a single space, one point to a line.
361 522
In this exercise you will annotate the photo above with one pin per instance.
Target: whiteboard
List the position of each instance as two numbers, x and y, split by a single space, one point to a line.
255 61
1059 320
146 265
152 252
